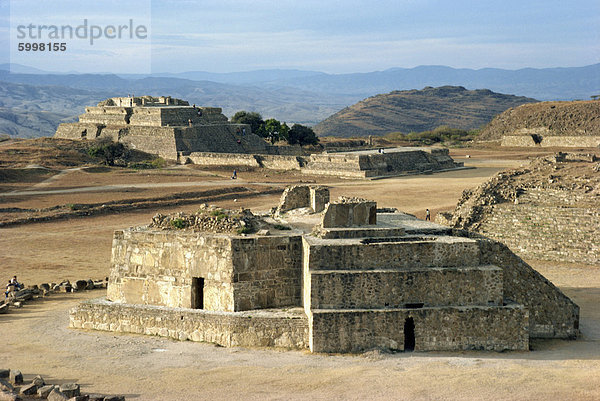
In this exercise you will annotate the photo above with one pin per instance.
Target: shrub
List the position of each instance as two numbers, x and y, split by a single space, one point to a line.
158 162
107 150
178 223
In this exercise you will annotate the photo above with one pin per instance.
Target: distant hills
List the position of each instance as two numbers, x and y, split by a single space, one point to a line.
294 96
418 110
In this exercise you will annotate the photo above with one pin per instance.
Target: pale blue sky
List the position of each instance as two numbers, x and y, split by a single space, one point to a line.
357 35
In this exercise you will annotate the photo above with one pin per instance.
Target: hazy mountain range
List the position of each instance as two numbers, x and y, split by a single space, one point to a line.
306 97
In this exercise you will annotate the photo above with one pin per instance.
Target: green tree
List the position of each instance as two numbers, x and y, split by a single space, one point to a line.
302 135
275 130
252 118
108 151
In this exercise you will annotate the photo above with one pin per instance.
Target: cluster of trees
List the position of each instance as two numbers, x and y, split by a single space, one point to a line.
442 134
274 130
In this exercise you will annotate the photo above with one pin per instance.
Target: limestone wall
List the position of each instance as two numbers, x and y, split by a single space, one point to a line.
343 289
267 272
78 131
156 268
547 141
442 328
155 140
349 214
551 313
371 164
352 254
222 159
252 329
239 273
277 162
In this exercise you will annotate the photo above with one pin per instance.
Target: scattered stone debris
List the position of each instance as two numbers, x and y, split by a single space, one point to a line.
210 219
12 387
18 298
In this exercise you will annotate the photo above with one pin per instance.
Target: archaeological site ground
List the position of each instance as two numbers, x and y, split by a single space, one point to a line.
153 367
309 276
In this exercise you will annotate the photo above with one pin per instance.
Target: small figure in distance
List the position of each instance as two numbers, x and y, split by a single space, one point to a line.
234 175
427 215
237 131
244 131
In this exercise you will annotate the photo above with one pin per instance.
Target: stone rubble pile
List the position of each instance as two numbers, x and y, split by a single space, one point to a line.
18 298
13 387
572 172
210 219
351 199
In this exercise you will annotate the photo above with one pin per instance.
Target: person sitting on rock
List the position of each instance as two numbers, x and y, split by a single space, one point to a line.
10 289
17 285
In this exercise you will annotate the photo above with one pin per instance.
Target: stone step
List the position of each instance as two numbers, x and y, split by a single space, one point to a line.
425 286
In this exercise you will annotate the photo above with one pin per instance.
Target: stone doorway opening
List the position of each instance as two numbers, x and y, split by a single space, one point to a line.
409 335
198 292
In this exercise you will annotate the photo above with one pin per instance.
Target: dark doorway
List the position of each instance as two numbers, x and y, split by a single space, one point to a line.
197 292
409 334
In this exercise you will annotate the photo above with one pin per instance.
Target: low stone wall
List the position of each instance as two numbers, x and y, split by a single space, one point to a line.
546 141
440 329
278 162
223 159
371 164
247 329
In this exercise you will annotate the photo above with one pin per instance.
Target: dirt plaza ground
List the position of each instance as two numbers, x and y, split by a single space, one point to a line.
36 339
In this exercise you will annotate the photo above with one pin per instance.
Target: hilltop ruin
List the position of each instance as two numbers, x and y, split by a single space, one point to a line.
547 124
329 276
176 131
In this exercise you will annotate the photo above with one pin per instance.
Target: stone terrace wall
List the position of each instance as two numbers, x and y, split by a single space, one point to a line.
380 164
156 268
267 272
551 141
535 229
480 285
443 328
222 159
240 273
551 313
226 329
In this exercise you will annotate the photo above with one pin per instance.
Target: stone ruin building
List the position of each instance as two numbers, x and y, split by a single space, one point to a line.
330 276
549 209
574 124
174 130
